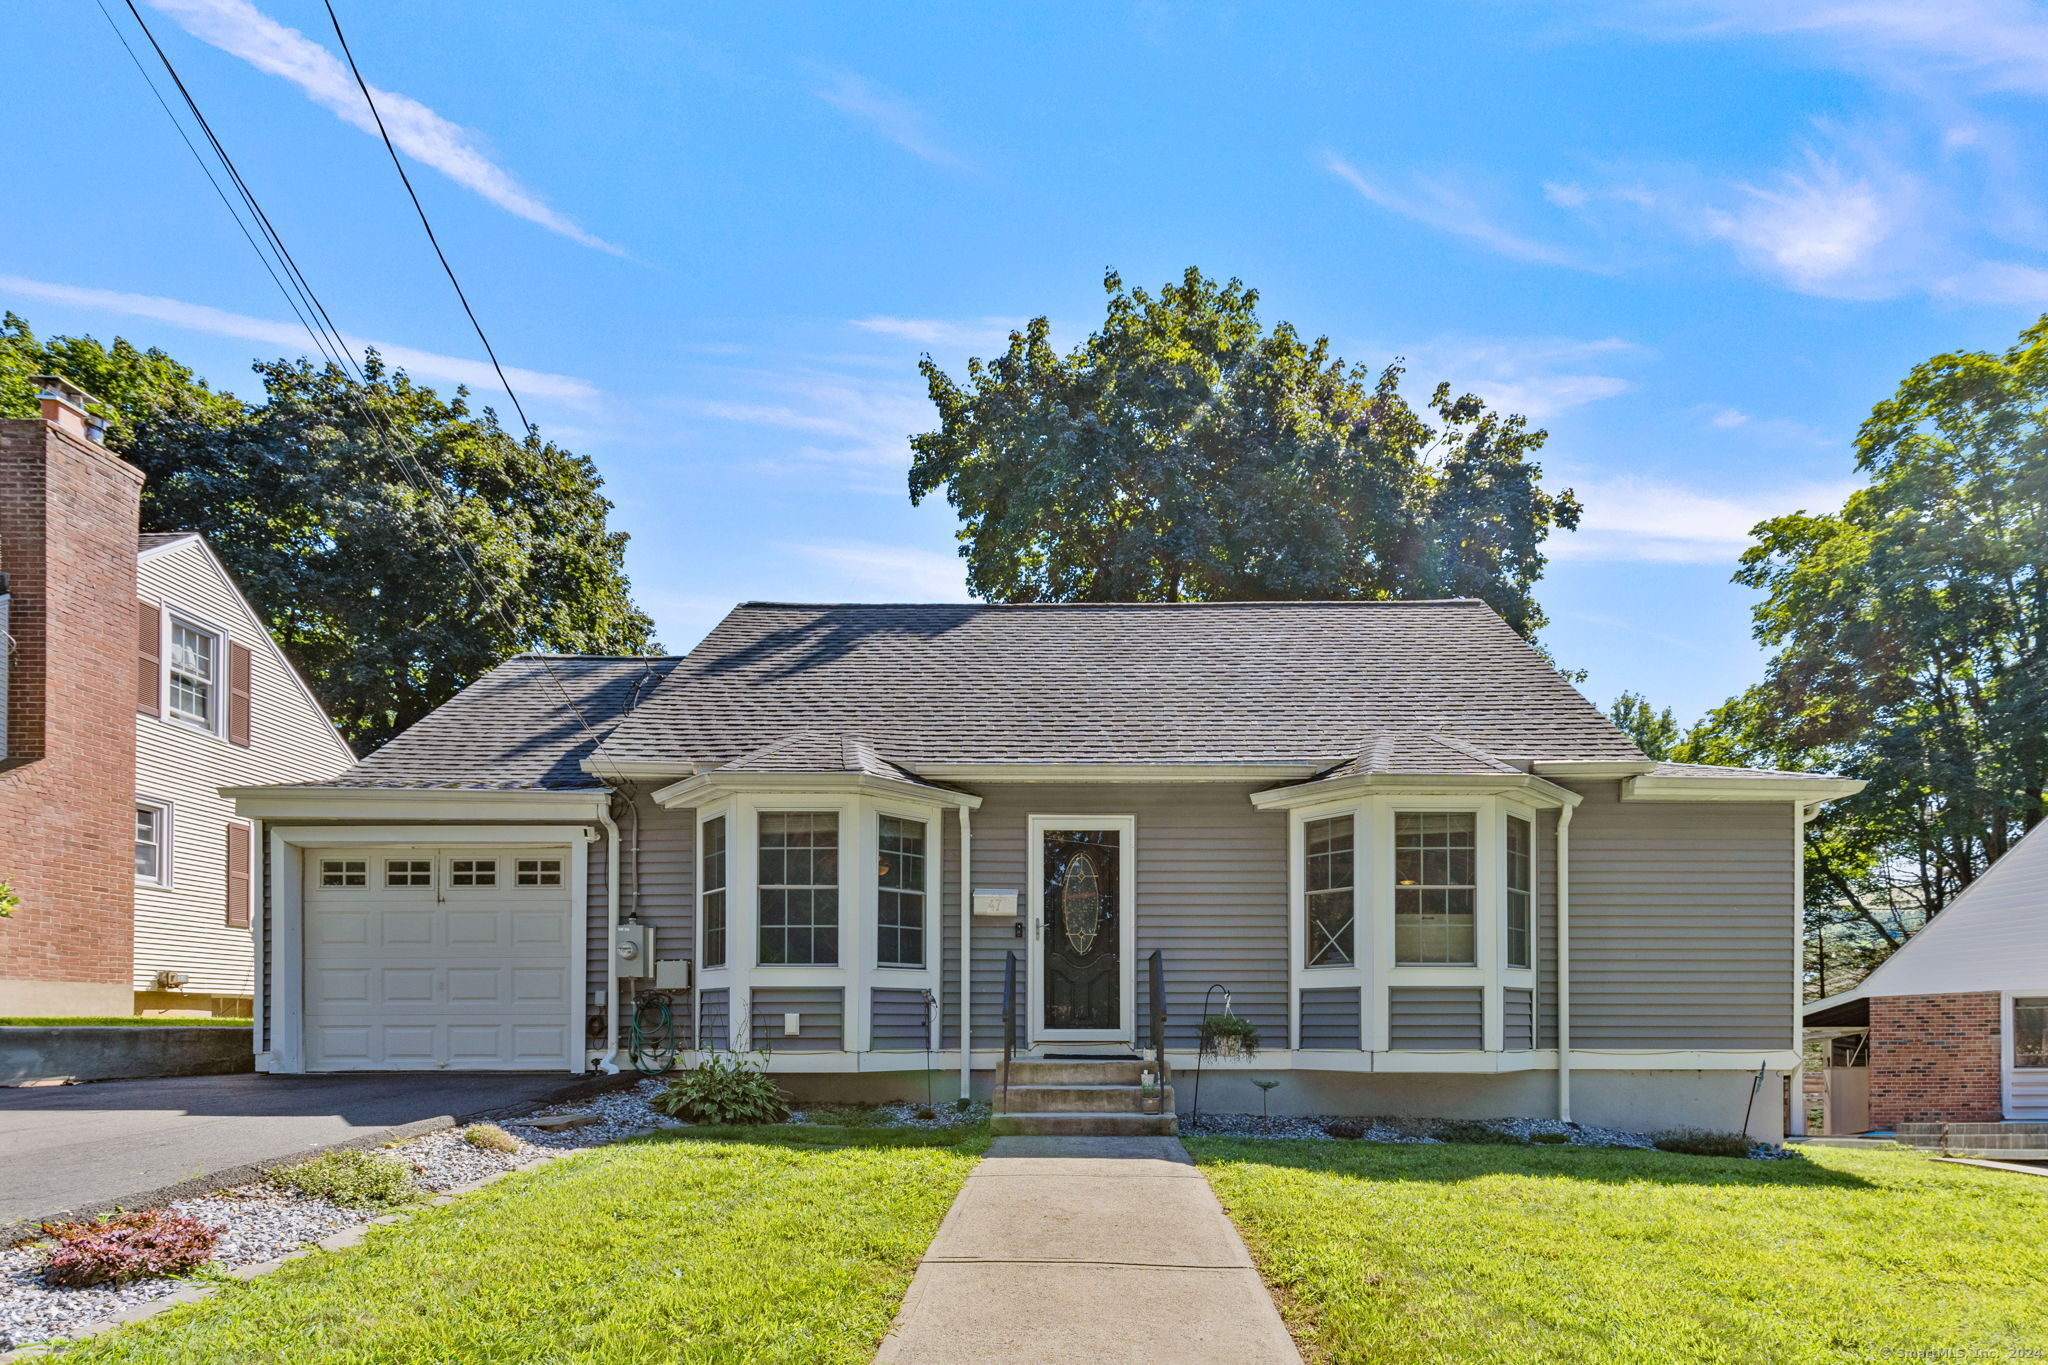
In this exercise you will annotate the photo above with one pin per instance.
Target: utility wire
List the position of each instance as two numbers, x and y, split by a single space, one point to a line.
421 210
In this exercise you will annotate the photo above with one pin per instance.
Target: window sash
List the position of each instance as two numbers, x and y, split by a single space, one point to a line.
713 897
149 843
2030 1032
1521 890
900 892
1436 888
192 661
1329 892
797 921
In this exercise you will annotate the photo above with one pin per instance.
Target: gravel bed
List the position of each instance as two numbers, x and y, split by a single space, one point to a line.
1312 1128
620 1114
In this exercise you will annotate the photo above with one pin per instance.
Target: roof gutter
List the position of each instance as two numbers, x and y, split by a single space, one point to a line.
312 801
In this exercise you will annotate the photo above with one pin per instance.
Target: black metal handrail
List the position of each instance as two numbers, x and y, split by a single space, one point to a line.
1157 975
1009 1021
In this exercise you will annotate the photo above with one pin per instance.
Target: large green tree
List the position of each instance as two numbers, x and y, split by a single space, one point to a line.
1184 452
399 543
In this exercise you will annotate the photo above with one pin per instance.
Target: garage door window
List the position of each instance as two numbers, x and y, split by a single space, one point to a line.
408 872
473 872
540 871
343 872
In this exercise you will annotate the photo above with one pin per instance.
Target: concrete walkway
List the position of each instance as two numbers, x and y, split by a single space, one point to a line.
1087 1249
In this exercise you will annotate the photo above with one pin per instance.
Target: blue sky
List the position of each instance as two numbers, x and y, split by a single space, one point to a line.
1694 241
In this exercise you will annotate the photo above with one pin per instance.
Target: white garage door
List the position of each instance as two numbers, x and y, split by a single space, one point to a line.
430 959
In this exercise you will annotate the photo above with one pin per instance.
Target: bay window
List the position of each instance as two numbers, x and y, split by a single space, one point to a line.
1436 889
1521 889
798 888
1328 864
713 897
900 893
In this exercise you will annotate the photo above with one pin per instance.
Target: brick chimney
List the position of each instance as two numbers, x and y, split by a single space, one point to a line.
69 514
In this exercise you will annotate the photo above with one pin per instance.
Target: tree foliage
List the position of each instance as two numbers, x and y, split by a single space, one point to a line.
1655 732
1186 453
398 543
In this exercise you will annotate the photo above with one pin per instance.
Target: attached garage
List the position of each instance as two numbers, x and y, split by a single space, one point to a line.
439 958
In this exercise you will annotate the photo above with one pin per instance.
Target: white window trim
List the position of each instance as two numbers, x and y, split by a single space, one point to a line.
705 815
166 843
934 852
174 615
1127 914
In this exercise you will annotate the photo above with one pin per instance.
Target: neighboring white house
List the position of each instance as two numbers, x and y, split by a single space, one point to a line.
218 705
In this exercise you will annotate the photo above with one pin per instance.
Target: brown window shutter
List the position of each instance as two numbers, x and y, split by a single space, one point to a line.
239 875
149 649
238 694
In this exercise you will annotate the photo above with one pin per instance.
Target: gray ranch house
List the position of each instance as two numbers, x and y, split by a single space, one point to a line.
1425 868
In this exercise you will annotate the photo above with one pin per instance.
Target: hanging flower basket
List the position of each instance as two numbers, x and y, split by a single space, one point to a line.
1229 1035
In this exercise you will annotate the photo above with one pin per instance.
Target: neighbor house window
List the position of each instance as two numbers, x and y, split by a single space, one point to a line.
2030 1031
408 872
899 912
1521 888
1435 892
799 888
1328 889
153 842
539 872
344 872
473 872
194 673
714 892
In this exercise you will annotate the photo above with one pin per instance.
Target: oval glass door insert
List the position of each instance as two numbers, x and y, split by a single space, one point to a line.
1081 902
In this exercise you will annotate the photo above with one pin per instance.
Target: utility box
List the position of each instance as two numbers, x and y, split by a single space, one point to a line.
633 950
672 974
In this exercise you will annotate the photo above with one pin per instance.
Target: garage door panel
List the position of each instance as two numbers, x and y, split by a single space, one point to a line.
435 976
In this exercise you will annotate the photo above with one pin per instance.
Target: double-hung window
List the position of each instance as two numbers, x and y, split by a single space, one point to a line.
1436 891
1328 890
798 888
2030 1031
899 906
194 675
153 842
1521 888
713 898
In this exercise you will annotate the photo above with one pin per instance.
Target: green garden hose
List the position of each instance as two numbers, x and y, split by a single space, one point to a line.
642 1028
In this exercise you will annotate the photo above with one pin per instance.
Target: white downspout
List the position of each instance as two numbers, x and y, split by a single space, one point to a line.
609 1063
1795 1115
1564 962
966 950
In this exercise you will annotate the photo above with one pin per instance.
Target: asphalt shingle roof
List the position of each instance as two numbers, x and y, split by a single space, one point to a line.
1309 683
520 727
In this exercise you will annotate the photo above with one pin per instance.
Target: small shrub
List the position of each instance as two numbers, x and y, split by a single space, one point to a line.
1550 1139
925 1113
1472 1130
1345 1128
489 1137
130 1246
723 1089
960 1105
353 1180
1703 1142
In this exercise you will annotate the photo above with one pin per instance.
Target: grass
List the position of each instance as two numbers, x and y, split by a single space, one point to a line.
114 1021
768 1245
1394 1253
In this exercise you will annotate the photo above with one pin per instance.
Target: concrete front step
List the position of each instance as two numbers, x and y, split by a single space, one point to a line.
1085 1125
1074 1099
1024 1072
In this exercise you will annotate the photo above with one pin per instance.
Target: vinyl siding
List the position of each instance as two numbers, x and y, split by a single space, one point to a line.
1330 1018
821 1018
1435 1018
182 928
1682 923
660 889
1518 1033
1211 892
899 1021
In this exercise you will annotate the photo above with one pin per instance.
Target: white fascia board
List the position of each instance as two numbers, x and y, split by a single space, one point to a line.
1115 772
1802 789
694 791
393 803
1534 789
1572 769
610 770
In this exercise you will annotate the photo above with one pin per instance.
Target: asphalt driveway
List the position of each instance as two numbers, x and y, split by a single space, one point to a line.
84 1148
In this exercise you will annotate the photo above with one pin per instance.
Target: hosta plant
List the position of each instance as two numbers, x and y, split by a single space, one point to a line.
723 1088
128 1246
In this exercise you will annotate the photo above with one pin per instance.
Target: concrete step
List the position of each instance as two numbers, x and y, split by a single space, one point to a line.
1074 1099
2034 1130
1023 1072
1085 1125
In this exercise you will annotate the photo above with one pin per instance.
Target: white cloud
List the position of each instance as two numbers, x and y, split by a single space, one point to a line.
889 114
1649 520
899 573
963 334
291 338
241 30
1986 44
1822 230
1536 377
1438 204
860 424
1727 418
1997 282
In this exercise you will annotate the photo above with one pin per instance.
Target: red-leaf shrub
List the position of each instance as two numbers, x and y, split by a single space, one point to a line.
128 1246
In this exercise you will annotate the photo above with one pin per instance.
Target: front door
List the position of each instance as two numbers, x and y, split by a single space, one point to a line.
1083 927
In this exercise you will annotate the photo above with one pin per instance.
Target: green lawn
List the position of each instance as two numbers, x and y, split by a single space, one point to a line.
731 1245
1393 1253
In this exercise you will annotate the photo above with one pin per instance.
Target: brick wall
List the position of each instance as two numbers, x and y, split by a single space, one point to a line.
69 512
1934 1058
